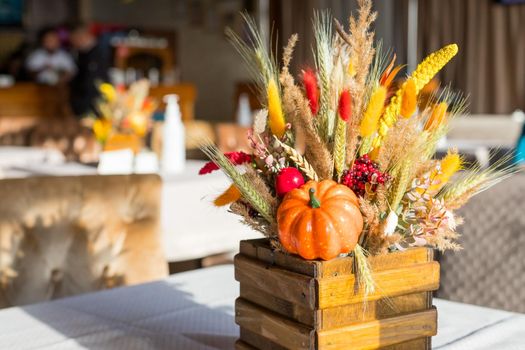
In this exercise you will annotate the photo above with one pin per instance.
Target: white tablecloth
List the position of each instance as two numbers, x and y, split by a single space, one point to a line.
194 311
191 226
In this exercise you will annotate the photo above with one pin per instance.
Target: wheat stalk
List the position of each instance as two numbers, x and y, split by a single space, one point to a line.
256 224
261 63
299 160
323 54
364 272
401 183
249 192
475 181
340 147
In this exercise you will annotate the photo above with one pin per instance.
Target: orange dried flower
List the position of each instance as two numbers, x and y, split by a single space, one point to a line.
409 99
437 117
232 194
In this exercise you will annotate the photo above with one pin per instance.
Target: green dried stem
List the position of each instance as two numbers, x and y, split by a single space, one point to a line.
323 54
476 180
255 223
340 147
366 145
401 183
261 64
363 271
248 191
299 160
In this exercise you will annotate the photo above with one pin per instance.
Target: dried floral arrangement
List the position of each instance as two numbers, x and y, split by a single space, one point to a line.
367 181
123 111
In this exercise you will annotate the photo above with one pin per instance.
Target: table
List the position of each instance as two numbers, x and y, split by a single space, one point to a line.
194 311
191 226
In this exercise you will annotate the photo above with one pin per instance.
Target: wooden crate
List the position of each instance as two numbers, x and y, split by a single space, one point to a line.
289 303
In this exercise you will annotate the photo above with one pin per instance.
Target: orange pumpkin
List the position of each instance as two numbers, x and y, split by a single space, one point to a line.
319 220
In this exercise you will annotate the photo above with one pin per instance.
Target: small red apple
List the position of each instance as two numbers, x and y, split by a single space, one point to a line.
287 180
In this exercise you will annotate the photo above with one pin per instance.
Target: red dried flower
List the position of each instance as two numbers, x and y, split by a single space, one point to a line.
237 158
345 105
311 89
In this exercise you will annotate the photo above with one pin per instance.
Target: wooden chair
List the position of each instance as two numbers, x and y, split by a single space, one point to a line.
62 236
187 96
489 271
34 100
232 137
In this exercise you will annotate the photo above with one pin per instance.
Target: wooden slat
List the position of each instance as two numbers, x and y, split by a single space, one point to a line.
260 249
344 266
257 341
344 290
248 247
345 315
416 344
240 345
380 333
291 286
275 328
283 307
338 316
264 344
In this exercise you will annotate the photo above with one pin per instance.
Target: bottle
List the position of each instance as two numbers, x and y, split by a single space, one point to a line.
173 139
520 148
519 156
244 112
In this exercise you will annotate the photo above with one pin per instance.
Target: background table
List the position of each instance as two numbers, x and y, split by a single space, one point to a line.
194 311
191 226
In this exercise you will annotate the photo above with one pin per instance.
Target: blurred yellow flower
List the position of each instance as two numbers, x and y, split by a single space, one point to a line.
108 91
138 123
102 129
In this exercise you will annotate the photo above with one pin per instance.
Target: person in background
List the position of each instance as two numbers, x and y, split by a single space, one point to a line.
92 65
49 64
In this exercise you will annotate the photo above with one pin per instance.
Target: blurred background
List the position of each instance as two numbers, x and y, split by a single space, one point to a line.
65 64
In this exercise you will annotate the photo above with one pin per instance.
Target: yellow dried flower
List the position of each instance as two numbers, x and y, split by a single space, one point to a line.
275 112
437 117
373 112
431 65
449 165
424 72
409 100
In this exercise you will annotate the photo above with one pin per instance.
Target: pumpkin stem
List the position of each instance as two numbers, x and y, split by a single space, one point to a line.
314 202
